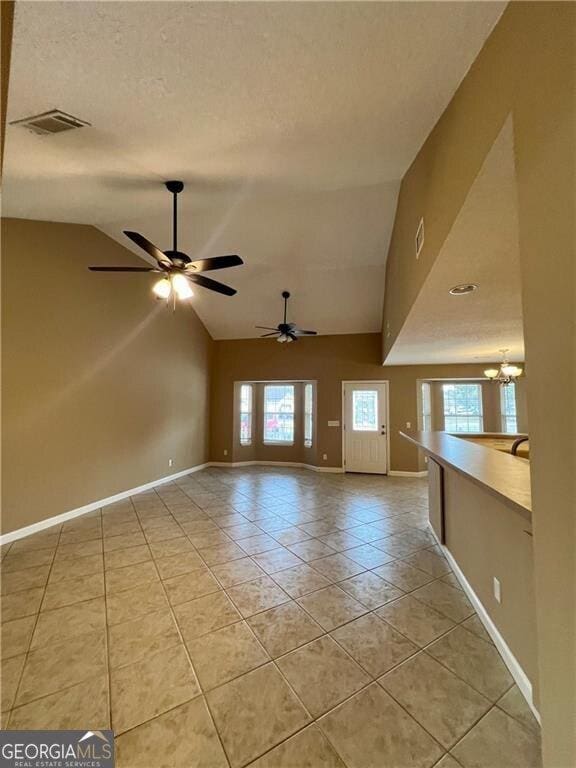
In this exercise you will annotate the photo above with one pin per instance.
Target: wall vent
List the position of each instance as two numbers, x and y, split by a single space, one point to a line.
419 239
53 121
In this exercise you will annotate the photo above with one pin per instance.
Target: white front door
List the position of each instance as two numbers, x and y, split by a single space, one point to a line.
365 427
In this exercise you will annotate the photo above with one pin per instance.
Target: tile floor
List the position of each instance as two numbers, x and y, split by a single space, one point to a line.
277 619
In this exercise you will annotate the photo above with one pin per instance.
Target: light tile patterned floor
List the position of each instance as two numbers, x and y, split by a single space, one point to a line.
273 618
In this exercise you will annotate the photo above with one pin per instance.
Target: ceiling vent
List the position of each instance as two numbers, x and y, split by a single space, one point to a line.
53 121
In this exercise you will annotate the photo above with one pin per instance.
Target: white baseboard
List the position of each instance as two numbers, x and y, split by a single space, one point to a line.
28 530
520 677
402 473
297 464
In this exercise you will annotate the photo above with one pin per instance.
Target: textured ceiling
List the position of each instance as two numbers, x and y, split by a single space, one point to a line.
292 124
482 248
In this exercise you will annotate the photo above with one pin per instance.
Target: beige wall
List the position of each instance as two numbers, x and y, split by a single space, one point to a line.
526 69
328 360
101 384
488 539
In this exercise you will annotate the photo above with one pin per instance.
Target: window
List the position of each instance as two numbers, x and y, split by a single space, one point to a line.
279 413
462 407
426 407
508 408
246 414
365 410
308 410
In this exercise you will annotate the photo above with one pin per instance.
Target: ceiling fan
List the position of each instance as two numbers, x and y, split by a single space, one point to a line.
285 331
177 269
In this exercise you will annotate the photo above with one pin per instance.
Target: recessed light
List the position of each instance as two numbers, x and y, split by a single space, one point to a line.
460 290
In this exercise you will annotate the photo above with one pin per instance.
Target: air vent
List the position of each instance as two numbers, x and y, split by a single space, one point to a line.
53 121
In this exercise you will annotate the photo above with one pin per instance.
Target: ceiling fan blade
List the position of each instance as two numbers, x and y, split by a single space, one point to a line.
123 269
266 328
274 333
218 262
212 285
149 247
300 332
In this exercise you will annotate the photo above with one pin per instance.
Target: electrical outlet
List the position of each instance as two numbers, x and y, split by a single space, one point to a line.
170 462
497 590
225 451
408 425
325 456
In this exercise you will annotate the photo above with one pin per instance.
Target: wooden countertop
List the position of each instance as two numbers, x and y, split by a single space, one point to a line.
504 475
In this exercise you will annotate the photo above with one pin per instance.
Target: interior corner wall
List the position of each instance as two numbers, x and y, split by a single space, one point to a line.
101 384
327 360
527 70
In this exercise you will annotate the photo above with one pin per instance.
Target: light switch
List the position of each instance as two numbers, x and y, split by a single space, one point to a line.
408 425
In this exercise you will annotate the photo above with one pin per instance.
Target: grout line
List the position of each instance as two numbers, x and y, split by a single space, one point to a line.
186 651
27 652
290 599
107 635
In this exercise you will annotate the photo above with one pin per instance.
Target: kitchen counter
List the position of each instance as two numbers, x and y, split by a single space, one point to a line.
498 442
501 474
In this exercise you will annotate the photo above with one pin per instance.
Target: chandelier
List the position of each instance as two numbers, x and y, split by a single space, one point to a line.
507 373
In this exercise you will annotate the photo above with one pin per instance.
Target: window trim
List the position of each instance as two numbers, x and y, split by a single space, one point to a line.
308 388
266 441
504 415
249 441
426 405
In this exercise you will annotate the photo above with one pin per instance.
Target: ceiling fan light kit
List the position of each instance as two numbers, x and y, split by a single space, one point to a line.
285 332
178 268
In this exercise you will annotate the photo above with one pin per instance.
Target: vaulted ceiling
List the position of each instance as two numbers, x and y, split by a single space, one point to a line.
291 123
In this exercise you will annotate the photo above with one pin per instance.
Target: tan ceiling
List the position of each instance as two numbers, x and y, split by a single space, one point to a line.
482 248
292 124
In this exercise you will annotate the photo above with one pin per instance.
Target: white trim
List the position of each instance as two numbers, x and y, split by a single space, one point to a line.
520 677
386 383
28 530
297 464
402 473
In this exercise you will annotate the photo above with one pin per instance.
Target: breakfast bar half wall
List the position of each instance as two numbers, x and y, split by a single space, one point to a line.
480 512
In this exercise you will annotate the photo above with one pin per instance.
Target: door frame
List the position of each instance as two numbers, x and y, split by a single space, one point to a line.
386 383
